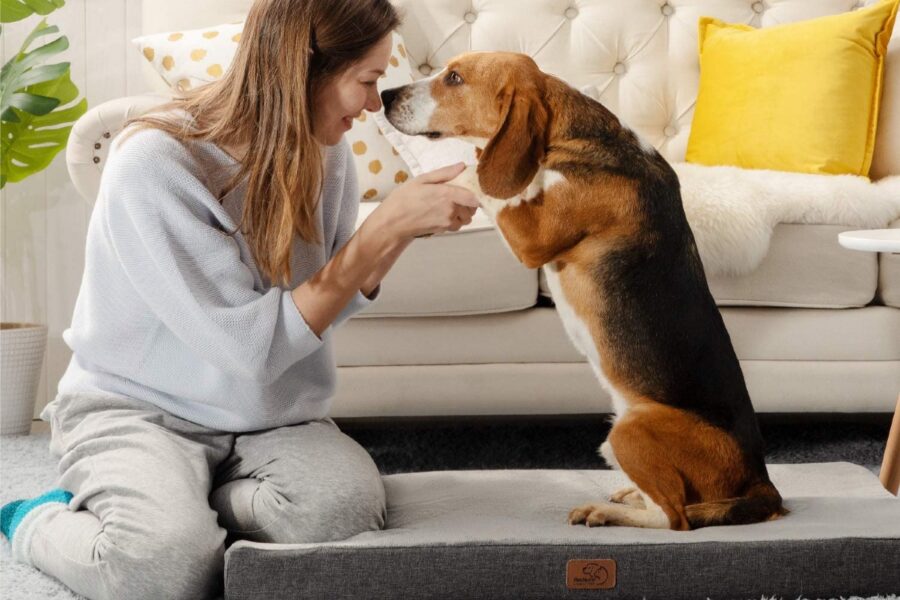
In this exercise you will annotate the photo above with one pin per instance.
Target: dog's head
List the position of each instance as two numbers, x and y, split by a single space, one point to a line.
492 98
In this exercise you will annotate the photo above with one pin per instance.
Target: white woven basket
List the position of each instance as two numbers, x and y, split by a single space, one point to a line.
22 348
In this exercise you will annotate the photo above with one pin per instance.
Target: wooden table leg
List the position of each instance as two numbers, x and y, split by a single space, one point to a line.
890 466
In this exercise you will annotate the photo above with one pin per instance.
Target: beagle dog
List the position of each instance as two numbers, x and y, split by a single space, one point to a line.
576 193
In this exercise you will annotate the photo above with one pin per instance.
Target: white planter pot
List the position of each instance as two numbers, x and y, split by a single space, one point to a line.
22 348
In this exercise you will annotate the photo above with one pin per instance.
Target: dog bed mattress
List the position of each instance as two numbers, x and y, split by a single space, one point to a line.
504 534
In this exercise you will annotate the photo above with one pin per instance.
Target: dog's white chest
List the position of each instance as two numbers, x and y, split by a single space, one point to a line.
580 335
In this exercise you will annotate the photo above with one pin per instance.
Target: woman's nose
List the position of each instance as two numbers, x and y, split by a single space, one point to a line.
373 102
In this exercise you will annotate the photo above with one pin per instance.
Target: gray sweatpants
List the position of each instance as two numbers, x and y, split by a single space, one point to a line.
155 496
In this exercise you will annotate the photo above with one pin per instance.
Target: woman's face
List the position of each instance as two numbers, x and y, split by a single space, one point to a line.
346 95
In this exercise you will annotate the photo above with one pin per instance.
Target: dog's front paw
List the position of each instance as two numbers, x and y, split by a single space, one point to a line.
592 515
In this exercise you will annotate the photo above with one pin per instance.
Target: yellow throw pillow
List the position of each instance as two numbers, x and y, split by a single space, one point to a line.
797 97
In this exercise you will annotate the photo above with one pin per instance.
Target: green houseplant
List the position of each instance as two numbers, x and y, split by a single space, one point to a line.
37 109
35 114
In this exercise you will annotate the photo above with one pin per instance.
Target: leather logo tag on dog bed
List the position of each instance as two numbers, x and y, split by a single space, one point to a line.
591 574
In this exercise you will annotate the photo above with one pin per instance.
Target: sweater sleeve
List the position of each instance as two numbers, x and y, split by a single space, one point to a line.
160 223
346 227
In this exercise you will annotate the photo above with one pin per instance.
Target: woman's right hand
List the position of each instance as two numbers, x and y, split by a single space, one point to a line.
427 204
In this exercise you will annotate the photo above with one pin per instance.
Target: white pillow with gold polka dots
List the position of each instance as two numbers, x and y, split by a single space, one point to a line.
186 59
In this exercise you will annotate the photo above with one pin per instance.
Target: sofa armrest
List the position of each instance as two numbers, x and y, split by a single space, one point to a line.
92 135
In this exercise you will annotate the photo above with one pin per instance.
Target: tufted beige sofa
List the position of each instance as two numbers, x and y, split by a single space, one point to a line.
463 329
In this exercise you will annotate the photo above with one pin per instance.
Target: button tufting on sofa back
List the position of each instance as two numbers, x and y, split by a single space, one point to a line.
640 58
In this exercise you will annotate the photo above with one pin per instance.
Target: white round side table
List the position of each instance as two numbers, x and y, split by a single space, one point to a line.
881 240
871 240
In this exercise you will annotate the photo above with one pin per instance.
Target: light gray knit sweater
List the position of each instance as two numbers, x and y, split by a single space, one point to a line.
174 311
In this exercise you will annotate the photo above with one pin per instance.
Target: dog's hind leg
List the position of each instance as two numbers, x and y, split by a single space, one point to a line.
676 459
654 444
630 496
643 457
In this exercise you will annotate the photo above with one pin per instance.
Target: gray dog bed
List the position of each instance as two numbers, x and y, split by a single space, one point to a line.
503 534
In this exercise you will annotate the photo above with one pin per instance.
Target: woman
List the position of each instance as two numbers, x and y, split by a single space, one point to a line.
220 254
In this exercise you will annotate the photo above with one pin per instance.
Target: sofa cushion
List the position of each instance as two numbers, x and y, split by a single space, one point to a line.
462 273
503 534
805 267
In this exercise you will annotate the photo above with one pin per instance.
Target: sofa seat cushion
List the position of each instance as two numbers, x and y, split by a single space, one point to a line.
538 336
464 273
805 267
794 360
503 534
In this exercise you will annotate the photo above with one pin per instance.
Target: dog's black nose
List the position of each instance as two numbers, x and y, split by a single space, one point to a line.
388 97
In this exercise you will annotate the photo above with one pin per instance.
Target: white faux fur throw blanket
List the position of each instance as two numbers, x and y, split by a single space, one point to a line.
733 211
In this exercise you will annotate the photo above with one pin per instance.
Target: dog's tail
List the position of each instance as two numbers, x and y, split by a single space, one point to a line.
762 502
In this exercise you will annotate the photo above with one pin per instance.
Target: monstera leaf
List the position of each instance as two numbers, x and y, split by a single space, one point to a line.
32 128
30 144
16 10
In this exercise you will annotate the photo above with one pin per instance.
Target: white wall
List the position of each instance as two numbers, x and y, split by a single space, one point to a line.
43 220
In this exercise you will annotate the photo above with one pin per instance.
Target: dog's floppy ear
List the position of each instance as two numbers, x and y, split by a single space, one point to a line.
512 157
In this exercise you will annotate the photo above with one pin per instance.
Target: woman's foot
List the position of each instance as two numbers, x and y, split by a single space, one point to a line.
18 518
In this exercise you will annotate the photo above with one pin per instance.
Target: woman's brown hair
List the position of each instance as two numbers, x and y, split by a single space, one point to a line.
287 50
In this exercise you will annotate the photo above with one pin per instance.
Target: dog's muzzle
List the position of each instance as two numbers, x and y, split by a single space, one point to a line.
409 108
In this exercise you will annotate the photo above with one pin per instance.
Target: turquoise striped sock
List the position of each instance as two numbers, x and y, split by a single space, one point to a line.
13 514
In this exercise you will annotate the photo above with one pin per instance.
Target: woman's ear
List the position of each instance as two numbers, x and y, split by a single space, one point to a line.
511 158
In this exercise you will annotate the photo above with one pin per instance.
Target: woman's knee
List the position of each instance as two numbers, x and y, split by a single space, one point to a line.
336 507
176 561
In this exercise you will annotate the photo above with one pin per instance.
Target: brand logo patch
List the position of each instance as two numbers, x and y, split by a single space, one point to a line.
591 574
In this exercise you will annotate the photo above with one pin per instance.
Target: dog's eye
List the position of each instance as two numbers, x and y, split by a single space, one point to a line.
453 78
